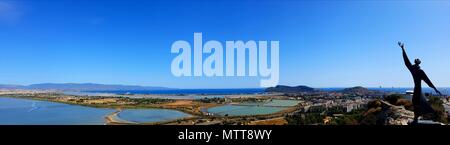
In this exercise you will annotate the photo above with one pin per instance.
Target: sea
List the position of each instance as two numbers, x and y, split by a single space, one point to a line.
444 91
188 91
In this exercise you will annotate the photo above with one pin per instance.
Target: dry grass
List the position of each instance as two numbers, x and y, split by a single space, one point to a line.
180 103
101 101
272 121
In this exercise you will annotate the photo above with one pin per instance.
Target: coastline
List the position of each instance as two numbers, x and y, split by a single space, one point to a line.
113 119
194 108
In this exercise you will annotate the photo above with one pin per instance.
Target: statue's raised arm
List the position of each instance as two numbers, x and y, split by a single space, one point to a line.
405 57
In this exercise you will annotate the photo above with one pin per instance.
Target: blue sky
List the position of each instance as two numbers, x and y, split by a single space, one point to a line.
322 43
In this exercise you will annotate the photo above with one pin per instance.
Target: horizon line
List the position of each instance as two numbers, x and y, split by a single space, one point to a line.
224 87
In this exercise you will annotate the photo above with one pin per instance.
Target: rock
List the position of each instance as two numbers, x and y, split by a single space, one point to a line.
395 115
388 114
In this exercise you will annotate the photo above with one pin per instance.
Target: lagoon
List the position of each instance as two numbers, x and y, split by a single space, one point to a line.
253 108
274 103
15 111
235 110
150 115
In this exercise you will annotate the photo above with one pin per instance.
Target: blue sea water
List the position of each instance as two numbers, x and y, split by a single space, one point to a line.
444 91
189 91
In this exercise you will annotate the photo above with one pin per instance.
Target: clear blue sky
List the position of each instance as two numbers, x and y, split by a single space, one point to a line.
322 44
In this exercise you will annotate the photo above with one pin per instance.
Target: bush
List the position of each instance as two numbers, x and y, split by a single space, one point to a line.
370 119
345 120
374 104
336 110
392 99
305 119
405 103
437 104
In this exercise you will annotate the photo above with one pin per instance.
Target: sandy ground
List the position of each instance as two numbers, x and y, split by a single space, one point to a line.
180 103
113 119
272 121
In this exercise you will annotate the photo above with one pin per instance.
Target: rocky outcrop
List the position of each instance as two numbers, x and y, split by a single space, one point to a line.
388 114
395 115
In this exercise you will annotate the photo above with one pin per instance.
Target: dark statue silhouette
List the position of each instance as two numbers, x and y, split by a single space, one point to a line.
420 104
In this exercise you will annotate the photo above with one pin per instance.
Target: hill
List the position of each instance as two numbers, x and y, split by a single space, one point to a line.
289 89
361 91
356 90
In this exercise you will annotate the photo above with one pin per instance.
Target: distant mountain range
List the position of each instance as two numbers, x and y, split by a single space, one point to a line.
289 89
81 87
305 89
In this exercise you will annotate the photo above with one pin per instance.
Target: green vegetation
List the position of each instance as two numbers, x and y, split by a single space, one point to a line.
440 115
251 100
321 115
336 110
372 114
305 119
352 118
317 109
392 99
212 100
145 101
405 103
398 100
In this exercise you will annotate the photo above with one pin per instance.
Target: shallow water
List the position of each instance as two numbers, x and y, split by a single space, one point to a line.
150 115
189 91
235 110
258 108
275 103
15 111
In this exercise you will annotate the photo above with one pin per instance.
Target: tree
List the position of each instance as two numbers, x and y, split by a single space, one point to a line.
392 99
405 103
